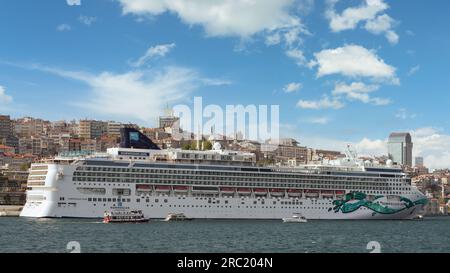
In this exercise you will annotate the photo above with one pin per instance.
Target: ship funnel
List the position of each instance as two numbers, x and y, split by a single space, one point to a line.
132 138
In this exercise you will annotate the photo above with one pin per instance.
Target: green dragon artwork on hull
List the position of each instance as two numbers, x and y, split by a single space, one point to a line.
345 207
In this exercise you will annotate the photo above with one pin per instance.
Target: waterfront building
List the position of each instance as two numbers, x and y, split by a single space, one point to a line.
113 129
7 136
28 127
31 145
400 148
92 129
167 121
6 149
286 151
418 161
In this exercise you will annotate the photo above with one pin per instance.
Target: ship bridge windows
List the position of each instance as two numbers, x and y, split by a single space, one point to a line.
96 191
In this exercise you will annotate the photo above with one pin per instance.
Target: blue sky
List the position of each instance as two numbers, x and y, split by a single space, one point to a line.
357 69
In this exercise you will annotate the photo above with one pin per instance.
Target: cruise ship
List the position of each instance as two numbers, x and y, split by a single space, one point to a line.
216 184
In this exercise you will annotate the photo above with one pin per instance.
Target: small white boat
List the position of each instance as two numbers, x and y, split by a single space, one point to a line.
296 218
176 217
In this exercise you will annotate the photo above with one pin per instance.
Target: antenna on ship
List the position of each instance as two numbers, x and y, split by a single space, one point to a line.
352 155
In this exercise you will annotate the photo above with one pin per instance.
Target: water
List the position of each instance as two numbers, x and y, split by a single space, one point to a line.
52 235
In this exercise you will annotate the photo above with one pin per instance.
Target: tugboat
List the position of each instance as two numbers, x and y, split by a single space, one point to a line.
124 216
176 217
296 218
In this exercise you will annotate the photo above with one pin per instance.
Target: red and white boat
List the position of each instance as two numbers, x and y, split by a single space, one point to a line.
340 193
244 191
295 193
144 188
327 194
226 190
162 189
312 193
260 192
277 192
180 189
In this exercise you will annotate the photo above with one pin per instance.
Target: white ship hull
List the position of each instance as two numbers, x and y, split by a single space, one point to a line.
60 198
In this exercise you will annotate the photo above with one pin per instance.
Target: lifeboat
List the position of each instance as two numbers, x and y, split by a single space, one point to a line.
144 188
244 191
340 193
312 193
260 191
227 190
327 193
294 193
180 189
277 192
162 188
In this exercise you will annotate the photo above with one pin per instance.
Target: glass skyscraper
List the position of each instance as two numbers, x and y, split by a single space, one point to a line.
400 148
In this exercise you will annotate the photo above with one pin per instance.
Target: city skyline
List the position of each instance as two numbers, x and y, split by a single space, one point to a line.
125 61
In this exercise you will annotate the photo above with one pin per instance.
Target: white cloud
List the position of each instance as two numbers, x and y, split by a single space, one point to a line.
410 33
154 51
305 6
370 147
351 17
63 27
413 70
87 20
368 12
73 2
241 18
323 103
275 21
139 95
392 37
297 55
319 120
402 113
359 91
433 145
353 61
4 98
292 87
383 24
354 87
273 39
380 101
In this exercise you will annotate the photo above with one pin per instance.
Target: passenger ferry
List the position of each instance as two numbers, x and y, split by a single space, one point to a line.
124 216
217 184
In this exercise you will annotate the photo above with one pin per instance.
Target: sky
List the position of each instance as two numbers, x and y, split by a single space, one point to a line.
342 71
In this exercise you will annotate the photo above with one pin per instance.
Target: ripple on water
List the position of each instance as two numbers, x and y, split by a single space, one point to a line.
52 235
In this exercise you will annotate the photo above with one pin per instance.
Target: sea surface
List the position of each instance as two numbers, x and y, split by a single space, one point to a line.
224 236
